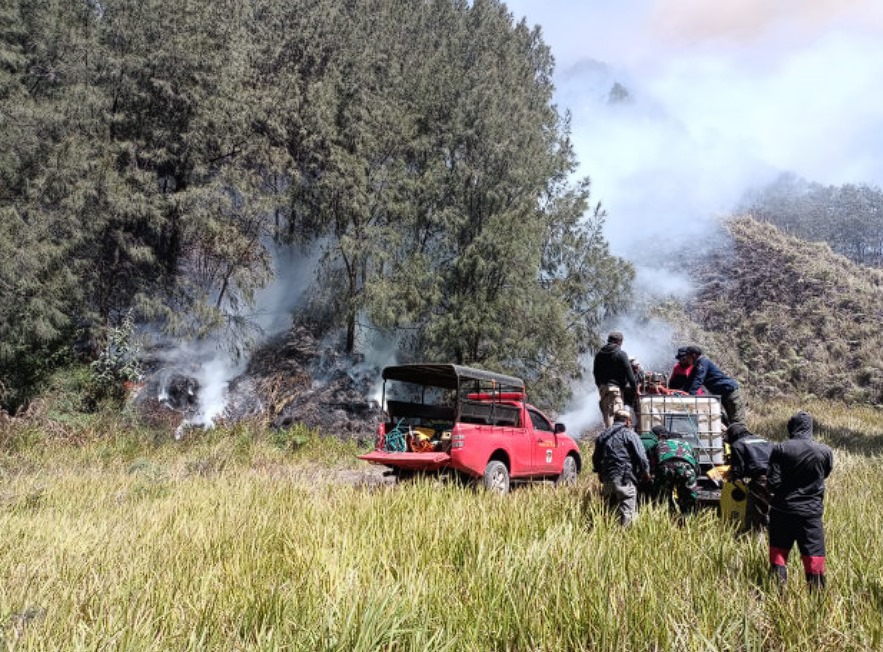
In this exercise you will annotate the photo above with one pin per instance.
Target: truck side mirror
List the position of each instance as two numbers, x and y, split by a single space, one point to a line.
559 428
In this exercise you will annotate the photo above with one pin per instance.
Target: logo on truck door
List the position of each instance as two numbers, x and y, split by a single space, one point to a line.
548 457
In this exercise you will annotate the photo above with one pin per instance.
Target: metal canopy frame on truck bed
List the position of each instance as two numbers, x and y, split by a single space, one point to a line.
479 392
448 376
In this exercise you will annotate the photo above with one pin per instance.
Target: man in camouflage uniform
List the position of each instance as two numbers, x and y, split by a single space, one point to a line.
675 471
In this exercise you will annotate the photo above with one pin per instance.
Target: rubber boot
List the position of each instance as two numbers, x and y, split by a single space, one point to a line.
779 573
816 581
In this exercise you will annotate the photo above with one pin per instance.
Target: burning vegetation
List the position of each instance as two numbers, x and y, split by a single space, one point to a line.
294 378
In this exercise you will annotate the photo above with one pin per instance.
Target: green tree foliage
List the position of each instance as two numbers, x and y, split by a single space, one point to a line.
126 169
444 195
40 88
848 217
152 151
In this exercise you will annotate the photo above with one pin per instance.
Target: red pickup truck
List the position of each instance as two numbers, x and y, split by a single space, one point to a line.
451 418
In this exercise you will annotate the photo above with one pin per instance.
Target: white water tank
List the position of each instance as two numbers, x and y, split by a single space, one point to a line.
696 418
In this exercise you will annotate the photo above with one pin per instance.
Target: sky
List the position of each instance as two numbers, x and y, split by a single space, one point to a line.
723 98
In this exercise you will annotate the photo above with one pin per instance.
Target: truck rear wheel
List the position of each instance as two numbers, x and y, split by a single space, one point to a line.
568 471
496 477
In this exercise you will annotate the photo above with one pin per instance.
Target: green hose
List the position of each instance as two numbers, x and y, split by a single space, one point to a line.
394 441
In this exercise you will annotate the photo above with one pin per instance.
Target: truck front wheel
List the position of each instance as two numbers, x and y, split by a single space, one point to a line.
496 477
568 471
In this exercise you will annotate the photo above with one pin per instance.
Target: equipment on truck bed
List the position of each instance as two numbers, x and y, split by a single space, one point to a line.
471 423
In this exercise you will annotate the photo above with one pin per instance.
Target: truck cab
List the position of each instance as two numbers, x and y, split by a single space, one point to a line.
475 423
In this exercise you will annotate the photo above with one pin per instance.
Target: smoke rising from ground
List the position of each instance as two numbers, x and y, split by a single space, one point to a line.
213 362
679 107
721 98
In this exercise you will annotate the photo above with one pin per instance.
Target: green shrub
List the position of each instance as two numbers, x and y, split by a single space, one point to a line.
292 438
117 367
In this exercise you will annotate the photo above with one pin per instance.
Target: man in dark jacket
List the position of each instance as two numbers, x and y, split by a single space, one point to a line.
620 461
706 373
797 471
614 377
749 462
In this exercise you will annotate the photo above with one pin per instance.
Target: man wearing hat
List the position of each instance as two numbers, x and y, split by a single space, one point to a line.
614 377
706 373
620 461
681 371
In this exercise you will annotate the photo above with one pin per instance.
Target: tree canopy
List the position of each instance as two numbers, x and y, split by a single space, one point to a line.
847 217
152 153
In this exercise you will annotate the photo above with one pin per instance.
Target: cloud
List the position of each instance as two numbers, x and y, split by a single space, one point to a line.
721 98
755 22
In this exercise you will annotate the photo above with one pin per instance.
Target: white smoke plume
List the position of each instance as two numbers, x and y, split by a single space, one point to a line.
213 362
381 350
714 99
721 98
649 342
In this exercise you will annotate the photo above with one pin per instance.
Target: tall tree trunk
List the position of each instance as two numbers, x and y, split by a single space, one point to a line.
351 310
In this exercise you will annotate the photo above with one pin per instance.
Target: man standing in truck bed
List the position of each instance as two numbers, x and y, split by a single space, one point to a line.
614 378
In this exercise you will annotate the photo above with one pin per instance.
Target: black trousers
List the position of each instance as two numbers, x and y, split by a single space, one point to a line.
757 506
807 533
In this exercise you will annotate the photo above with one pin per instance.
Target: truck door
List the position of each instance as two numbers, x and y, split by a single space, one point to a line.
544 444
517 438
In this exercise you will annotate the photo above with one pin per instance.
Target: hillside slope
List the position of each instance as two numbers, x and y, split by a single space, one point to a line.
792 317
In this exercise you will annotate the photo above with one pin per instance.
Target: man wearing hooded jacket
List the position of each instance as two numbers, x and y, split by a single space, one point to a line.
749 461
797 471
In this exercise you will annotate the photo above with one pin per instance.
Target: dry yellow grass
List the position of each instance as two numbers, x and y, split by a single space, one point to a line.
227 543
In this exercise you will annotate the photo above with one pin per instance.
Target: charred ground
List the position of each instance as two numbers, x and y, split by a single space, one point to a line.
294 378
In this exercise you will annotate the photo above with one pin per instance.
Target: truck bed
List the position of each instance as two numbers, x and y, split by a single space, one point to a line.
410 461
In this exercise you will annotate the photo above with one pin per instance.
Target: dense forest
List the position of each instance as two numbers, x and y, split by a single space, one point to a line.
154 154
154 158
849 217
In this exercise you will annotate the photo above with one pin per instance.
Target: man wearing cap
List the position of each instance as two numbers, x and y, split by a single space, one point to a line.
706 373
620 461
614 377
681 371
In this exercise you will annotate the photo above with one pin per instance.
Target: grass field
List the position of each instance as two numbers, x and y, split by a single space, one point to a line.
118 539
